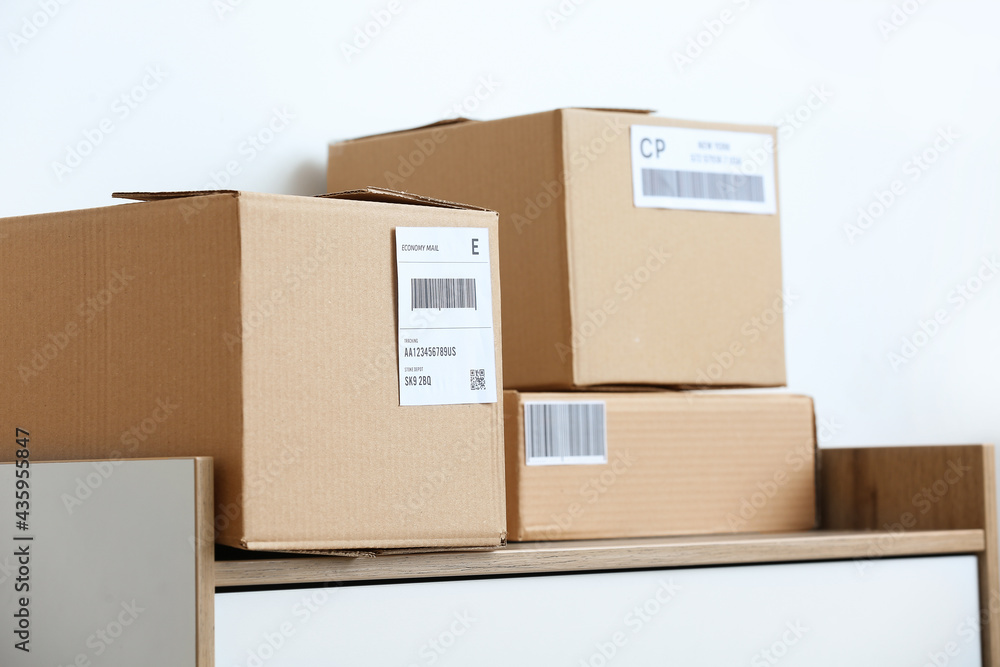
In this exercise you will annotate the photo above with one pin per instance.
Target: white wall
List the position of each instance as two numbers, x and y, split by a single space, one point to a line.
887 98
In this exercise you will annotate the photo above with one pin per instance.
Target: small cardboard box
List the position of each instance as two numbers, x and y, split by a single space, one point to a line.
260 330
643 464
635 249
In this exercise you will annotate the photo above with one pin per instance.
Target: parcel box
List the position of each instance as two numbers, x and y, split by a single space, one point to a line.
263 331
625 464
635 249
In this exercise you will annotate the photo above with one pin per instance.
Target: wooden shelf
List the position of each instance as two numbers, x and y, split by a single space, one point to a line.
876 502
594 555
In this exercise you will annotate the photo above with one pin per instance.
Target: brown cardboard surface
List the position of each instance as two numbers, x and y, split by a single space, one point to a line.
678 463
570 233
259 330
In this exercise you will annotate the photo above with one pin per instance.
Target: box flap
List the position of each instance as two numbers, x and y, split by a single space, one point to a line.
461 119
438 123
159 196
372 194
642 112
386 196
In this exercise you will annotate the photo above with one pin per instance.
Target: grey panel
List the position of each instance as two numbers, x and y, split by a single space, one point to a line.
112 564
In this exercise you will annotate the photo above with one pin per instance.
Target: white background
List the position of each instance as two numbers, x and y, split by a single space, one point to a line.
887 97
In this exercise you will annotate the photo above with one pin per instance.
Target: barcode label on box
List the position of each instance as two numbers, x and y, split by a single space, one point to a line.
446 347
701 185
703 170
565 433
442 293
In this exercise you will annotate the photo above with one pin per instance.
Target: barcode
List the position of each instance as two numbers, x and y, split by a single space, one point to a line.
565 433
442 293
477 379
702 185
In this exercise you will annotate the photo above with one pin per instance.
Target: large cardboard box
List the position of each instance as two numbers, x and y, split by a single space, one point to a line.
610 275
624 464
260 330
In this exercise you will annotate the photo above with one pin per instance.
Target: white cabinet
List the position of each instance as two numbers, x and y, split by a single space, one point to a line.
896 611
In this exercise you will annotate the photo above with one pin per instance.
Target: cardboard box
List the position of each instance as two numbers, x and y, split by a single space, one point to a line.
260 330
597 290
675 463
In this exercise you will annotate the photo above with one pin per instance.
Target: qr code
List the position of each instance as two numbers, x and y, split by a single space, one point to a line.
477 379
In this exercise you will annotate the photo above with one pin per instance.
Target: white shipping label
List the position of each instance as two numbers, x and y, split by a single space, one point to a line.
703 170
445 295
565 433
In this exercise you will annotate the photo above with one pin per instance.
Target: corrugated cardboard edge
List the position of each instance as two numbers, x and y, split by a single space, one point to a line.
642 112
565 220
817 465
177 194
445 122
387 196
204 545
641 388
513 429
682 387
259 547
